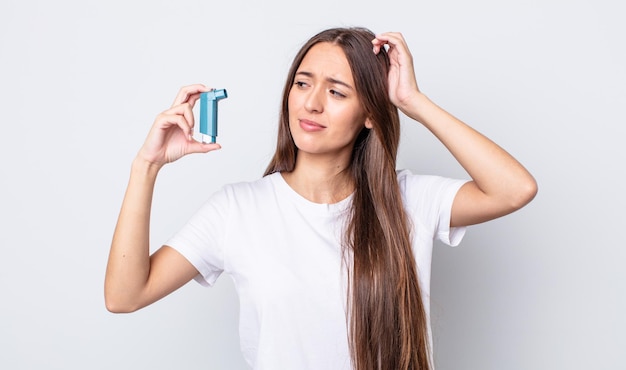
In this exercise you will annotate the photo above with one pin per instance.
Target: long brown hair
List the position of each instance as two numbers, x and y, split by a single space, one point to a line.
387 319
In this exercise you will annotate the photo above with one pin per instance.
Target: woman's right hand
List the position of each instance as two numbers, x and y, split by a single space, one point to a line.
171 135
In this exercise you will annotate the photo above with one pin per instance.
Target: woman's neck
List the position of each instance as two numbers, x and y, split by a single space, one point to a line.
324 181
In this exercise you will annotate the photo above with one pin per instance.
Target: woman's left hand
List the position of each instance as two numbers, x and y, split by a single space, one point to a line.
402 82
500 184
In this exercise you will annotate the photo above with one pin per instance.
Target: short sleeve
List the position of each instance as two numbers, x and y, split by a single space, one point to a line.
428 199
201 239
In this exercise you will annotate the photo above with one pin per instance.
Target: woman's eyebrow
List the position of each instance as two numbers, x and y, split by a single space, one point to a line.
328 79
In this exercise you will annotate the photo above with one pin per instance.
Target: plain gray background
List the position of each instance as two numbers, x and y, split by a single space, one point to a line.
81 82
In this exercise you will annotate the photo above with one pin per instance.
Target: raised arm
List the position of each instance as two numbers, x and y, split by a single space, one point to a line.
500 184
135 279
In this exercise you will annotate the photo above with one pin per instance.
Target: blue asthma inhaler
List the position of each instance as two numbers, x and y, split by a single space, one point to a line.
208 113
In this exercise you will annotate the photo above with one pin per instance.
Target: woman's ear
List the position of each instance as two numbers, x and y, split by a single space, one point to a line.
368 123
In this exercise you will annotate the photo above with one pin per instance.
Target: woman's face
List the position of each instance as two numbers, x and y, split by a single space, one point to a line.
325 115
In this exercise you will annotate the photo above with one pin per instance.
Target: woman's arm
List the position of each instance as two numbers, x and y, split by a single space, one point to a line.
500 184
135 279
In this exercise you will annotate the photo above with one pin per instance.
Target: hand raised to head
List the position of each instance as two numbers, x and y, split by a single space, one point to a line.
402 82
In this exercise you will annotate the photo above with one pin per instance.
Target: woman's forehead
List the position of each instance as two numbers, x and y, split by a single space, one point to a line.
326 60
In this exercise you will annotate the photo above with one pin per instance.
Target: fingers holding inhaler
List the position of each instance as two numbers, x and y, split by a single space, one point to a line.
208 108
171 136
190 94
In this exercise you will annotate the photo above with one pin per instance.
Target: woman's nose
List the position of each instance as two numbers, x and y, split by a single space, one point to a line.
315 100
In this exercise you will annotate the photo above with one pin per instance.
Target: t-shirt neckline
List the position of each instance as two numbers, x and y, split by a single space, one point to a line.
302 202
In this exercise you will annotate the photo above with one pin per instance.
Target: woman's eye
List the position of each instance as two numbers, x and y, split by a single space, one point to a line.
337 94
300 83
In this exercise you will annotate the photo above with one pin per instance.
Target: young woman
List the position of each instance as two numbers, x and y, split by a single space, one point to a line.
330 251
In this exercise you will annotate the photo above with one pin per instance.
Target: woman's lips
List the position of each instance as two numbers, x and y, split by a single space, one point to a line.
310 126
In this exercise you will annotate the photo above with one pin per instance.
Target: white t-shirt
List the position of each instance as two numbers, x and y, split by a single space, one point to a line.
284 255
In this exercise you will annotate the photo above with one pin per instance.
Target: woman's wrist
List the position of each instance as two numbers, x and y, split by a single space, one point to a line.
416 108
141 166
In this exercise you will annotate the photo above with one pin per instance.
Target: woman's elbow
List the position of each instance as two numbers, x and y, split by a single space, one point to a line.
116 304
115 307
526 192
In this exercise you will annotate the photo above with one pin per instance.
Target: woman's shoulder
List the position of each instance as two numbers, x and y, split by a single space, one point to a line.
408 179
420 186
254 187
241 194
